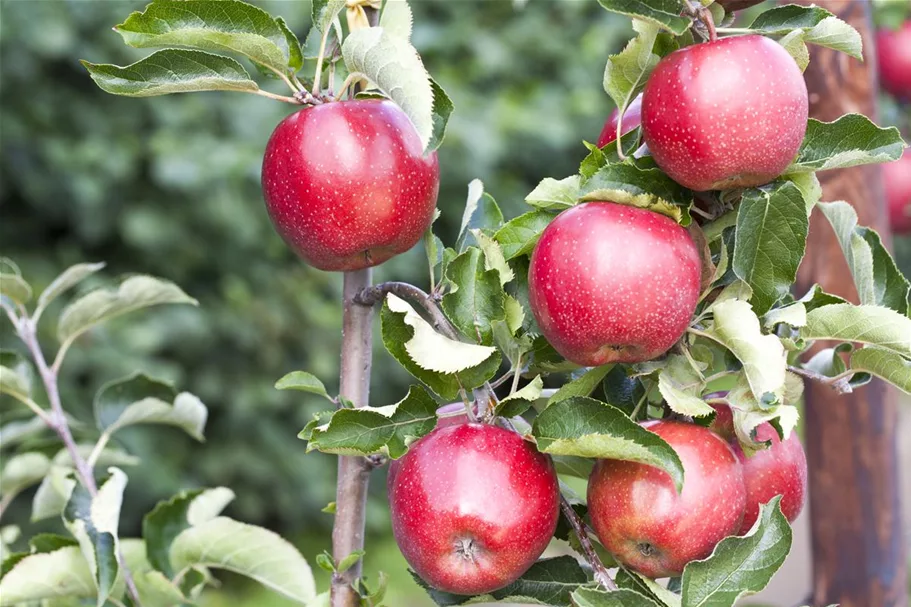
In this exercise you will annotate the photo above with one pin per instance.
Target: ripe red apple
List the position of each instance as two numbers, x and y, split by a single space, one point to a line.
452 414
893 48
897 177
632 118
611 283
725 114
643 521
473 507
347 184
779 470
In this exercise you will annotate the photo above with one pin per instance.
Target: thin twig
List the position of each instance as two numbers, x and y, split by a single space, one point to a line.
351 79
517 375
838 382
286 99
588 550
319 62
377 293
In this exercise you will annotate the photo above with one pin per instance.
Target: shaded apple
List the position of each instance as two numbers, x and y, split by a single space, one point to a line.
779 470
347 184
612 283
725 114
632 118
642 520
893 49
897 178
473 507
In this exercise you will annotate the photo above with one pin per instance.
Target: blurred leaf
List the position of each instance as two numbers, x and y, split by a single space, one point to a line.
13 383
644 188
740 566
53 493
222 26
395 67
851 140
586 427
476 298
663 13
172 71
68 279
22 471
303 381
15 288
14 432
140 399
520 235
47 575
771 237
103 304
481 213
872 325
254 552
367 430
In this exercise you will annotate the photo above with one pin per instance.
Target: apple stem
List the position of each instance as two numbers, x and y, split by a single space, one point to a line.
706 16
351 79
600 571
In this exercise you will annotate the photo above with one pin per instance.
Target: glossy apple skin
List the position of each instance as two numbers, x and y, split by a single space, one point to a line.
649 527
725 114
473 507
347 185
632 118
779 470
610 283
897 178
893 48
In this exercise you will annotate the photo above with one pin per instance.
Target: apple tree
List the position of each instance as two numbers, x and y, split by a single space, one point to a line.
614 374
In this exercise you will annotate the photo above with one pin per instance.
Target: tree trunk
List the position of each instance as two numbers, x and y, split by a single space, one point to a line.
858 544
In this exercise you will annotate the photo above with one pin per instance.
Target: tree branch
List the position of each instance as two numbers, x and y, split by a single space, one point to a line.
839 382
601 575
376 294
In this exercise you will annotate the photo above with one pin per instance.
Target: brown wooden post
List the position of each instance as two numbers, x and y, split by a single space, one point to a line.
858 545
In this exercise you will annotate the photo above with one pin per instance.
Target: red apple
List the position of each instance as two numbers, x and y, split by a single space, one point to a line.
610 283
473 507
725 114
894 52
897 177
347 184
631 119
649 527
779 470
452 414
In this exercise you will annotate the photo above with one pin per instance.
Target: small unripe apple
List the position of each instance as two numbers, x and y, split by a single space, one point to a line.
632 118
897 178
610 283
473 507
779 470
347 184
642 520
893 48
725 114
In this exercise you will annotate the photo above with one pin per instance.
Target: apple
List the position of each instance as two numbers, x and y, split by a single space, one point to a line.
779 470
893 49
642 520
473 507
631 119
347 184
897 178
452 414
725 114
610 283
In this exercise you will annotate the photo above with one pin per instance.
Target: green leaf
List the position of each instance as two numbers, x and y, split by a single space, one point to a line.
586 427
349 561
406 335
303 381
871 325
796 45
770 241
648 587
53 493
254 552
93 522
493 256
101 305
623 391
172 71
519 402
171 517
593 597
583 385
627 72
645 188
666 14
388 430
222 26
794 315
48 542
14 432
442 110
878 280
813 24
21 471
140 399
154 588
295 51
555 194
783 19
476 299
737 328
63 573
481 213
851 140
835 34
391 63
682 387
884 364
13 383
323 12
520 235
739 566
15 288
397 18
547 582
66 281
817 298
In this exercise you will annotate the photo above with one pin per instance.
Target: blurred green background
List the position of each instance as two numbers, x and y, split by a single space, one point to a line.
170 186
